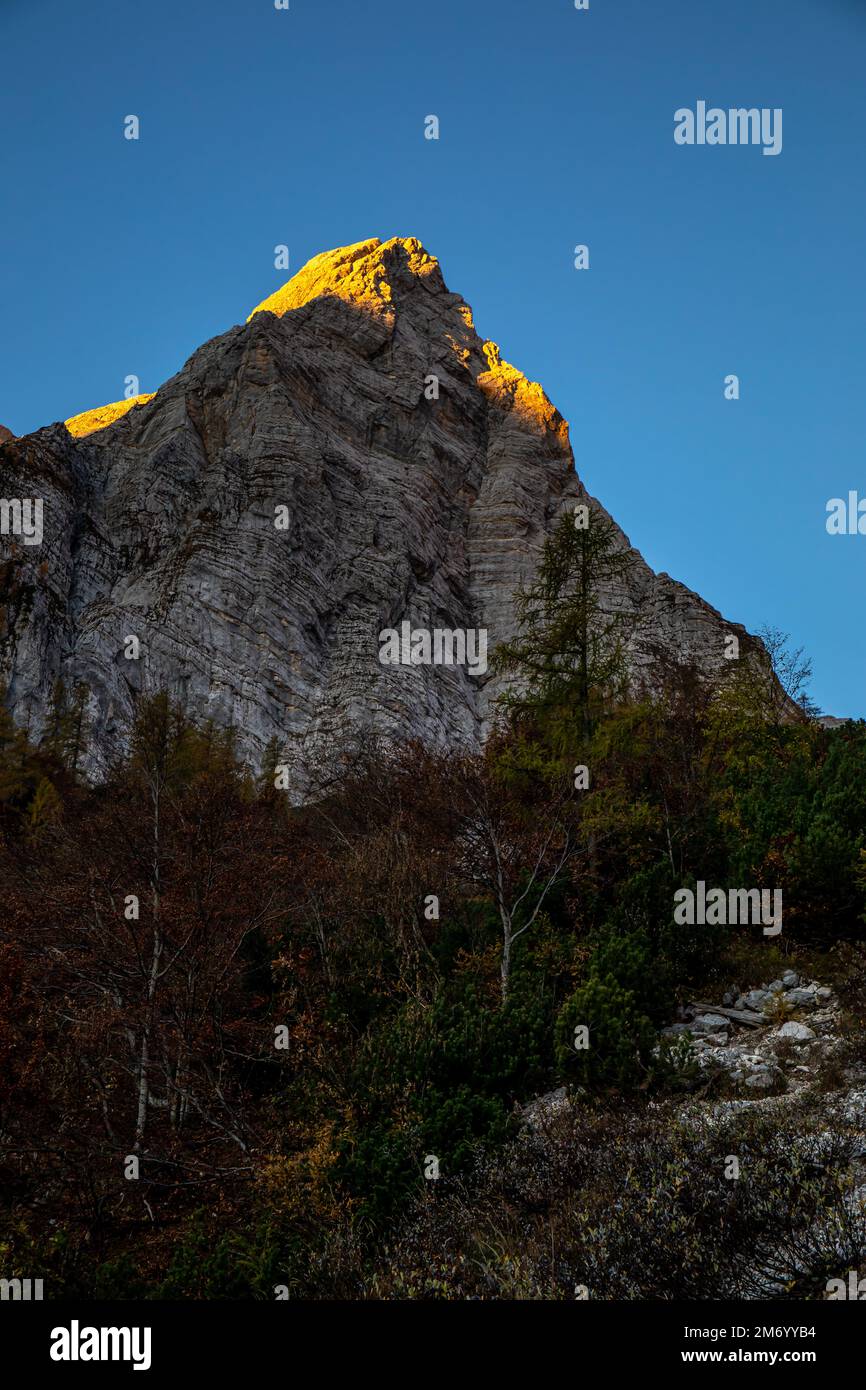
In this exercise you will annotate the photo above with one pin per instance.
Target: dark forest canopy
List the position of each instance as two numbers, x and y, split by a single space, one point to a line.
281 1013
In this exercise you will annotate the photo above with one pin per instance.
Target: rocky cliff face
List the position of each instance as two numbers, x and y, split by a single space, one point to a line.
297 487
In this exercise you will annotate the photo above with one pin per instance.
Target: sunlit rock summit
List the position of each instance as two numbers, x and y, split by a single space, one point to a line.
160 522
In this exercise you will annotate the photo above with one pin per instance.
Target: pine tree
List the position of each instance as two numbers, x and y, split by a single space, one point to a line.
66 726
78 726
567 656
18 762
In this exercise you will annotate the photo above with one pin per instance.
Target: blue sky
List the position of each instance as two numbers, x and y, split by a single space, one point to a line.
305 127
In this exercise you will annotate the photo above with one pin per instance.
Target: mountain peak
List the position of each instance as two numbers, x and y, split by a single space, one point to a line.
367 274
419 473
380 277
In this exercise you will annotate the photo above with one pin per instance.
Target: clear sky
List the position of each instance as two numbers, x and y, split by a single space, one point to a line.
306 127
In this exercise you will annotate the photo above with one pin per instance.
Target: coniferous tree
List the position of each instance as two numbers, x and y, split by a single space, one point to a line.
568 655
66 726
